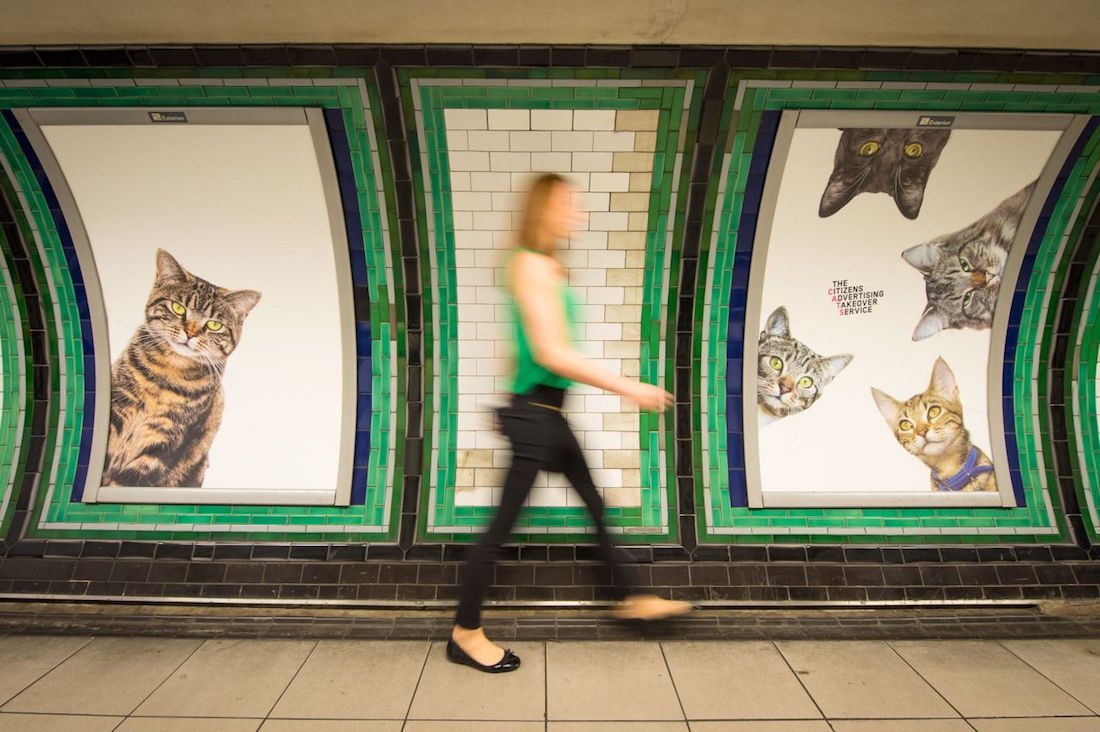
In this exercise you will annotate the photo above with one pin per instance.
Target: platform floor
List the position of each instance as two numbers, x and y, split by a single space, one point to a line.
65 682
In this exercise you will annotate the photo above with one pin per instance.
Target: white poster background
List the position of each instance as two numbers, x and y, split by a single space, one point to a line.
842 443
241 206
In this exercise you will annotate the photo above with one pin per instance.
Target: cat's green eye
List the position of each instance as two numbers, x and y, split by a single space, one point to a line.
934 412
868 148
905 425
964 264
805 382
178 308
968 298
914 150
213 325
776 363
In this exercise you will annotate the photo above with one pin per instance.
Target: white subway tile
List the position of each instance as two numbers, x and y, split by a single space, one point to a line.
471 201
470 239
636 119
487 141
492 220
490 296
571 141
607 220
514 162
488 258
603 403
529 141
465 119
588 240
462 219
473 313
603 331
594 119
605 260
469 348
594 201
586 278
490 181
594 162
460 181
510 119
551 119
469 161
507 201
477 277
551 162
612 182
464 295
457 140
613 141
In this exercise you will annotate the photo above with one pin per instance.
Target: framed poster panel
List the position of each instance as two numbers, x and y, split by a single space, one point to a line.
215 258
880 286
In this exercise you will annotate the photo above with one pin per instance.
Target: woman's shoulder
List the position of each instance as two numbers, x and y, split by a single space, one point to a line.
528 265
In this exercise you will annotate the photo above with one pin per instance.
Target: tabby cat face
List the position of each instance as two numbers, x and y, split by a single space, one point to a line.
963 270
928 423
194 318
897 162
790 377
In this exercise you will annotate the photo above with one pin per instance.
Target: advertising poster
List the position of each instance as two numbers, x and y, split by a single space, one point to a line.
881 275
219 280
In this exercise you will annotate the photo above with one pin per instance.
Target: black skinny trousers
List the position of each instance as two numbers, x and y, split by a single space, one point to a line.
541 440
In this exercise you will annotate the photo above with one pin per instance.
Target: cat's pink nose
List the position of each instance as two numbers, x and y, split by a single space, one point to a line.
785 385
922 429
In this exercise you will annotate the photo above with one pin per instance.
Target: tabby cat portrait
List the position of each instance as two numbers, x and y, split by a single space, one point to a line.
963 270
790 376
929 425
166 386
895 162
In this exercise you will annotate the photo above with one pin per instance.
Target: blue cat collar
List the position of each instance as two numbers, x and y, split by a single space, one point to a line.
961 479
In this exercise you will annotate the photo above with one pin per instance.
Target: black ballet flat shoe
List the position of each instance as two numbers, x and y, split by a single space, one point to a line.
510 662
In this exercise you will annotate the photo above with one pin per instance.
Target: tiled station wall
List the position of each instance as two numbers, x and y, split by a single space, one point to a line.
435 144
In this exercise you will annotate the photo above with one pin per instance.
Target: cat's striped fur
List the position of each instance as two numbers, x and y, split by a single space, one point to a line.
166 386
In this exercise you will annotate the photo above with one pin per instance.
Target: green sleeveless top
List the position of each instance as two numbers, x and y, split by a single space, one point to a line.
530 373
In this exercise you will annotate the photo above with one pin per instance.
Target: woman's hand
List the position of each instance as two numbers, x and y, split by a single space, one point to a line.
647 396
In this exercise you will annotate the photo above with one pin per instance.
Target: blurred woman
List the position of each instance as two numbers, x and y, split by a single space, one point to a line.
544 315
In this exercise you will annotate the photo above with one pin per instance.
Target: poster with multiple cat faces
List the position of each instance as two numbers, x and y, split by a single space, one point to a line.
878 282
218 277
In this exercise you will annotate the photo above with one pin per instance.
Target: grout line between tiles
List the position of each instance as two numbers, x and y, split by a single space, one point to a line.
162 682
420 676
672 680
799 680
545 686
1056 684
47 671
930 684
289 683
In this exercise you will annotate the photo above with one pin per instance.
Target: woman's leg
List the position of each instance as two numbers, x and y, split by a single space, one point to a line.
576 471
521 424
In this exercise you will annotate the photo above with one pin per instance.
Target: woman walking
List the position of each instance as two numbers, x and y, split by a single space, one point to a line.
544 314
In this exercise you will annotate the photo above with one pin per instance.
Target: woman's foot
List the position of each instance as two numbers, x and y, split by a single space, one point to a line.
475 644
650 607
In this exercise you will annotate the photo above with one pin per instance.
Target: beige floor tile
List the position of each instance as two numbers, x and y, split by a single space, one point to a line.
736 680
1073 664
450 691
108 676
56 723
982 679
24 658
622 680
229 678
355 680
901 725
189 724
1034 724
330 725
617 727
800 725
439 725
862 679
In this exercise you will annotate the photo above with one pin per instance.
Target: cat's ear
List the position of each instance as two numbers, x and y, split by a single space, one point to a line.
923 256
889 406
779 324
931 323
168 268
835 364
838 192
243 300
943 381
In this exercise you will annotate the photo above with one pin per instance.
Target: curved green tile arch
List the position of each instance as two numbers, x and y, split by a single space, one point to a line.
749 95
1083 391
55 515
15 366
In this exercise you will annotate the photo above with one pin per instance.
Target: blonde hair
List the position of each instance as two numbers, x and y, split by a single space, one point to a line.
532 233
